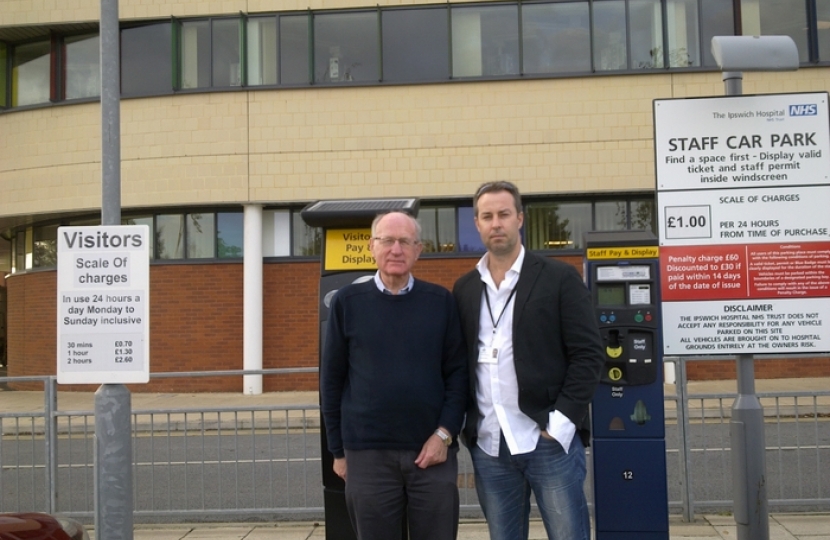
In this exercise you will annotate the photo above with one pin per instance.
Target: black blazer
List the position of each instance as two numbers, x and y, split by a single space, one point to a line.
557 349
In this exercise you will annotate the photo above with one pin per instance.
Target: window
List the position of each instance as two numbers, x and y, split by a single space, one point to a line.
609 33
294 50
823 30
4 58
646 34
557 225
201 235
146 60
169 236
717 19
485 41
45 246
276 233
642 216
225 53
468 237
19 252
143 220
437 229
683 30
261 49
556 37
346 47
307 240
210 53
195 54
611 216
30 74
82 71
229 235
779 19
415 44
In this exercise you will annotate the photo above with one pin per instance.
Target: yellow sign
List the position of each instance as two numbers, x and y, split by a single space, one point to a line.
635 252
348 249
615 374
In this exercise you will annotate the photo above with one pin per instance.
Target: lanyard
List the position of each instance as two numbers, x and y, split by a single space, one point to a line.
490 309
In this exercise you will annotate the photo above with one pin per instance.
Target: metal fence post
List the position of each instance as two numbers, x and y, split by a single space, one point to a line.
686 496
50 436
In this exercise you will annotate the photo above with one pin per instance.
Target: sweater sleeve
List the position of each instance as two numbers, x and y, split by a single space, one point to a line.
454 370
333 376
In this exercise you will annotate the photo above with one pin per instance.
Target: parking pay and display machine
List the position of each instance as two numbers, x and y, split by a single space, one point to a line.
346 259
628 421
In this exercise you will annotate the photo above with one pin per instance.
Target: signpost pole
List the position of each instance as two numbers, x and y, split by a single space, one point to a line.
746 428
113 410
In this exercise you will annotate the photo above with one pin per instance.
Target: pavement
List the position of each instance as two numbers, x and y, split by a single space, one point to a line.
783 526
705 527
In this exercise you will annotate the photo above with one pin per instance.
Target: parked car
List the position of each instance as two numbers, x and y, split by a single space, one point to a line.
39 526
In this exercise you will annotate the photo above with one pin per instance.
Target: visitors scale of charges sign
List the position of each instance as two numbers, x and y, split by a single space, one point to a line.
103 304
743 185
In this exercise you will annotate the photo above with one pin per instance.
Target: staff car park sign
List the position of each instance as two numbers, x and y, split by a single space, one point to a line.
103 304
743 197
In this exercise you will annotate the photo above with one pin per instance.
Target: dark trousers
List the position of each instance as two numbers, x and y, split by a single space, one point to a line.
384 485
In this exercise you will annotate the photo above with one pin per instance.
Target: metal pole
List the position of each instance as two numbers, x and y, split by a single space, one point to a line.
686 494
113 414
748 460
110 115
746 428
50 395
113 463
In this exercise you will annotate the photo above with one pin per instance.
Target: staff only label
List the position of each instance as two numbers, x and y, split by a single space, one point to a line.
103 304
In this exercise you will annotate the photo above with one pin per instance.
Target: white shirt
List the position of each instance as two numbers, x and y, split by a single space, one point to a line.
498 387
379 284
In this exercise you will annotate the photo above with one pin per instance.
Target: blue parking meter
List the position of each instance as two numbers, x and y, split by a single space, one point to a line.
627 414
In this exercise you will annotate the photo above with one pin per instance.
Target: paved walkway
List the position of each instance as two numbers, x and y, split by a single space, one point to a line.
705 527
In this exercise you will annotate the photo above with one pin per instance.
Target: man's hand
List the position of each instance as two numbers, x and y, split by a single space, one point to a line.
340 467
433 452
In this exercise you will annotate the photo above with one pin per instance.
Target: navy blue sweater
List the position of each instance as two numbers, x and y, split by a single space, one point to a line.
393 368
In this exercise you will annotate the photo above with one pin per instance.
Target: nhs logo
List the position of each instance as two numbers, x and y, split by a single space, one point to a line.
804 110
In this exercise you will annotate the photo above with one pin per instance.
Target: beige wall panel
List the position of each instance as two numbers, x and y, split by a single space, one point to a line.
185 181
143 9
255 6
185 149
444 140
52 161
51 189
21 12
50 137
208 124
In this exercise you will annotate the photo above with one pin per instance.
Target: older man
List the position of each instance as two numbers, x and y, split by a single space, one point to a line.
393 387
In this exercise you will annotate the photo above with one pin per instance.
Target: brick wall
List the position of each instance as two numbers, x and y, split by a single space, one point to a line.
196 325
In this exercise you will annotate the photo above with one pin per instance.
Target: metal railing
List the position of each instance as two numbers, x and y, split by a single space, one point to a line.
264 462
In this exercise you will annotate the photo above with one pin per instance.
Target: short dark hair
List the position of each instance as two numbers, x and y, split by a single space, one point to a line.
493 187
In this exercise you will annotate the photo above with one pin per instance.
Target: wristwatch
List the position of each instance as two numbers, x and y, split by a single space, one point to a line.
444 437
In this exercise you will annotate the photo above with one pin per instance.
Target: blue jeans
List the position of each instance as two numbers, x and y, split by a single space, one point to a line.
557 480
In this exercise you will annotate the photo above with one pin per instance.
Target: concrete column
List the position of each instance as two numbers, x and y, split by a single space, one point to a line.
252 304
